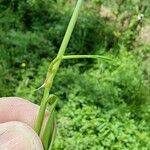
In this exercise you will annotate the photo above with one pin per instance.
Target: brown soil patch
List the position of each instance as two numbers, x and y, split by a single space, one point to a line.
144 35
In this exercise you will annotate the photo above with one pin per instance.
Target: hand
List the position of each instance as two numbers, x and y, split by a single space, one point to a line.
17 118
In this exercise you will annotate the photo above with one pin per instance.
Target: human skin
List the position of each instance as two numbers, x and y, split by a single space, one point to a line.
17 119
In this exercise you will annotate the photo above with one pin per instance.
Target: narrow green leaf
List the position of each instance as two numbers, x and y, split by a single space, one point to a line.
47 138
53 136
86 56
48 132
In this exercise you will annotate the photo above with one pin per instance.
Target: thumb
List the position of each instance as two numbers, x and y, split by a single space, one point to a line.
18 136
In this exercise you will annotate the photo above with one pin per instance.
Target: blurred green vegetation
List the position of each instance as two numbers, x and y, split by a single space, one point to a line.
103 105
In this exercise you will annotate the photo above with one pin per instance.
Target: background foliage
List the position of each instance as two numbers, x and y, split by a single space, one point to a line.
103 105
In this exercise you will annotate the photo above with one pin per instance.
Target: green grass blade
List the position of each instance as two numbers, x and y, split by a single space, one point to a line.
86 56
49 130
53 136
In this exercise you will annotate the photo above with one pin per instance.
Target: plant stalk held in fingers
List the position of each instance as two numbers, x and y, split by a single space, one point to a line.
50 129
